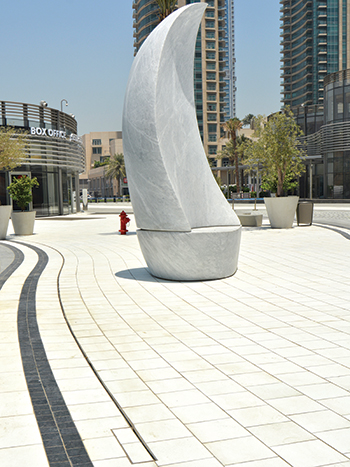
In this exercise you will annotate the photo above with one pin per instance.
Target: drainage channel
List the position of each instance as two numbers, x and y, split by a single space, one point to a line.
127 437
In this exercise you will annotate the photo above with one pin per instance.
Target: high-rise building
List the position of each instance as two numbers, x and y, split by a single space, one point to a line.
214 64
230 77
315 42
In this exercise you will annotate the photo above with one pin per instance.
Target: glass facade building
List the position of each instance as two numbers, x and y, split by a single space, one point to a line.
315 42
54 155
230 76
327 129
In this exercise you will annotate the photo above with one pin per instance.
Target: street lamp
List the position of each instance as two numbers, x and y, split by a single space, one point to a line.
311 168
63 100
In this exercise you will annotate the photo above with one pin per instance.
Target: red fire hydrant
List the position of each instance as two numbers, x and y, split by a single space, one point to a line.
123 221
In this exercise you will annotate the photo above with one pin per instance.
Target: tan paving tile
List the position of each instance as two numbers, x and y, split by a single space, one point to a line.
309 454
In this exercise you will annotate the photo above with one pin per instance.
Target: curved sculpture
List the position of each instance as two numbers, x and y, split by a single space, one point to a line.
187 230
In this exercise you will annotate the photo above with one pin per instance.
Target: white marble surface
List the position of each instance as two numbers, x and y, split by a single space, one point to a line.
202 254
171 184
170 181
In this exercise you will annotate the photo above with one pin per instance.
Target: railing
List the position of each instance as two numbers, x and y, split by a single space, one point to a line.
52 139
19 114
333 137
338 76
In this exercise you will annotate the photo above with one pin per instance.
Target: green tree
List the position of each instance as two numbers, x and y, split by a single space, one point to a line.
247 119
21 190
116 168
277 153
12 148
166 7
232 126
101 164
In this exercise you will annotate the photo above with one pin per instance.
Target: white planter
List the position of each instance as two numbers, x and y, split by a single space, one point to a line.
23 222
5 213
281 211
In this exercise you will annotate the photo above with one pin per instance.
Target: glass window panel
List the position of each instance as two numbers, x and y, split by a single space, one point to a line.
347 103
329 98
338 104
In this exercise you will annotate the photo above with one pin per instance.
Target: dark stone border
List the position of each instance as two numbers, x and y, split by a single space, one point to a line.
11 268
62 442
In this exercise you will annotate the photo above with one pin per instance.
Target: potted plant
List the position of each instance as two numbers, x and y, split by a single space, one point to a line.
279 155
21 191
12 146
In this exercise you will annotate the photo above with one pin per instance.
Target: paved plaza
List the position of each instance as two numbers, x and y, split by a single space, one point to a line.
104 365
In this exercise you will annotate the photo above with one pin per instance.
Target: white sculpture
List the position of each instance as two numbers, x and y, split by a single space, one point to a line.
187 230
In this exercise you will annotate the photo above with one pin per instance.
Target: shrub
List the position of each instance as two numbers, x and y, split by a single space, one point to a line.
21 190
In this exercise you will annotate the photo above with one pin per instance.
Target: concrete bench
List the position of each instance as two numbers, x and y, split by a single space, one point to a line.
250 219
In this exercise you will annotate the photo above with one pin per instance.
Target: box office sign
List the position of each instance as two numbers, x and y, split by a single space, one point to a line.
53 133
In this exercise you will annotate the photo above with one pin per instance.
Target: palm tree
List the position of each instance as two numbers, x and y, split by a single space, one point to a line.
165 8
231 126
247 119
116 168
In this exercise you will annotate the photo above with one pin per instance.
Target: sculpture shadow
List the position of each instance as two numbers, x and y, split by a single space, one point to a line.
139 274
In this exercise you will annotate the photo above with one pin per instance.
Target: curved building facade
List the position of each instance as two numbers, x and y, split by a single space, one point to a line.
328 143
54 155
315 42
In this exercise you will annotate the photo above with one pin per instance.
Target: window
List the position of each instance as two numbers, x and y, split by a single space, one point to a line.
96 142
210 55
211 76
212 149
212 128
96 150
211 65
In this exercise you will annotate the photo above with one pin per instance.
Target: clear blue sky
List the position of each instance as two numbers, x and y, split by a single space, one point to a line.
82 51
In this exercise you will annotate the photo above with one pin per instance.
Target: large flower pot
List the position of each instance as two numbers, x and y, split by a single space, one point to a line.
281 211
23 222
5 212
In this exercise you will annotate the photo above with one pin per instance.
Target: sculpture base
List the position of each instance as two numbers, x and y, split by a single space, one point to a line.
205 253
